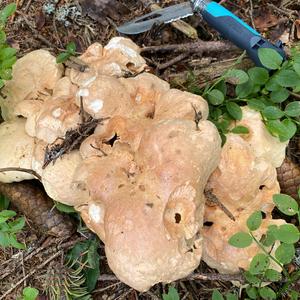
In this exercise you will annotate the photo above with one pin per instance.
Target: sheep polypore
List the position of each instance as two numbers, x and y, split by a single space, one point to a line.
158 200
244 182
16 150
219 254
119 57
264 145
34 76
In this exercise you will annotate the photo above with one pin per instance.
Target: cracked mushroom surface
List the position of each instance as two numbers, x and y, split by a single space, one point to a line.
244 182
137 177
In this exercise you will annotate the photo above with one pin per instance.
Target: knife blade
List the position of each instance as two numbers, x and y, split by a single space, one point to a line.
165 15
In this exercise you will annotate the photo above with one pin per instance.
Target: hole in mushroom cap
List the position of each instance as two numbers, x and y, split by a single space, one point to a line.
262 187
208 224
112 140
177 218
263 215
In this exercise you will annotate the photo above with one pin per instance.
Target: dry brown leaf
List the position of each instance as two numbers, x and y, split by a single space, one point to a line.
297 25
98 10
265 20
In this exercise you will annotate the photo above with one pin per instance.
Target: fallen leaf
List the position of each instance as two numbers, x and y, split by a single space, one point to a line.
297 26
265 20
98 10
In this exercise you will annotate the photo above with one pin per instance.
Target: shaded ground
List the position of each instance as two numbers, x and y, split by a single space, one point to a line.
36 26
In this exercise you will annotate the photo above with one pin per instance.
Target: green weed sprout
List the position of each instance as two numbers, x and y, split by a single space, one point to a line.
70 51
7 54
9 228
275 94
259 270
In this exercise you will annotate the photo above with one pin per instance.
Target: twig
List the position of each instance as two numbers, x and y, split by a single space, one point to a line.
173 61
31 273
107 287
251 14
215 276
286 12
212 198
200 46
107 277
15 169
297 96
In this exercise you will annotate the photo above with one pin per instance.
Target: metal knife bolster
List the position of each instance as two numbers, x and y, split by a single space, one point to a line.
199 5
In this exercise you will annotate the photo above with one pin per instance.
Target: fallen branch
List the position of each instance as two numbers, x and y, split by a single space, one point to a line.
16 169
216 276
201 46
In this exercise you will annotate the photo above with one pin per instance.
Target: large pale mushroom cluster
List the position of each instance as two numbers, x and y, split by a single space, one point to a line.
138 179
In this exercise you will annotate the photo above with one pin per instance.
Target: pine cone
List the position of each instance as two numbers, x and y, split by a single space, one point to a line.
288 175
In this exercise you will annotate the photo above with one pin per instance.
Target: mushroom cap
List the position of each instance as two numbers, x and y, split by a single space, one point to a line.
155 204
34 76
241 181
264 145
57 177
145 91
220 255
16 150
105 97
119 56
177 104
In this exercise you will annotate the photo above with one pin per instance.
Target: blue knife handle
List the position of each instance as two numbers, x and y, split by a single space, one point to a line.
237 31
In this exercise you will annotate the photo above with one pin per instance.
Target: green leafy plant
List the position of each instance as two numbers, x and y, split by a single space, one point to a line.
275 94
29 293
78 276
87 252
171 295
64 208
4 202
260 269
9 228
70 51
7 53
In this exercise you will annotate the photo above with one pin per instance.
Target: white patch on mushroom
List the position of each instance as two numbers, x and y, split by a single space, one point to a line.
57 112
115 67
83 93
89 81
115 43
95 213
138 98
96 105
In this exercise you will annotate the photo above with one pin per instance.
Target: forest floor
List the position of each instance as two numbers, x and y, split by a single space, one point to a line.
51 25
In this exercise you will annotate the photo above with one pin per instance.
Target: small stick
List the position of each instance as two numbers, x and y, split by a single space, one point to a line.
172 61
201 46
15 169
107 277
215 276
212 198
